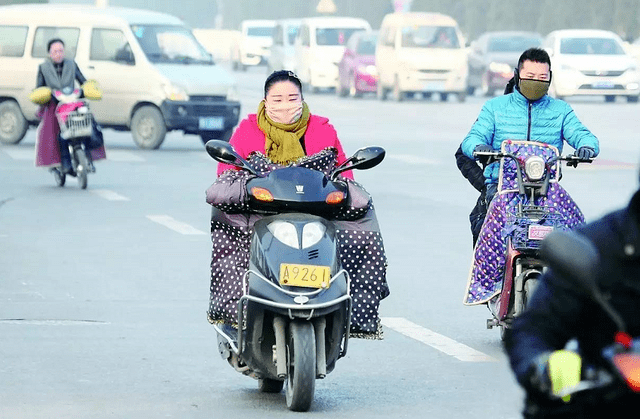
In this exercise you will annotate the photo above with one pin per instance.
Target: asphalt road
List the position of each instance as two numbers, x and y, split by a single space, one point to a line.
103 291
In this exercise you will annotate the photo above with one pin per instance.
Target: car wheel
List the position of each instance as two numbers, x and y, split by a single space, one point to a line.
632 99
609 98
13 126
381 92
462 97
444 97
148 128
340 91
471 90
398 95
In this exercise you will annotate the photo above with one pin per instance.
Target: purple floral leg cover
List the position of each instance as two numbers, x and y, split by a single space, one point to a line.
485 280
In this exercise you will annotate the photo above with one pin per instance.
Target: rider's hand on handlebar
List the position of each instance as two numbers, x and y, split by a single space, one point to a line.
483 148
556 372
585 153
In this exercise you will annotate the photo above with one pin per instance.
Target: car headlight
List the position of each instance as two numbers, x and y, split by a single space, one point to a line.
285 233
500 68
175 93
367 69
534 167
312 233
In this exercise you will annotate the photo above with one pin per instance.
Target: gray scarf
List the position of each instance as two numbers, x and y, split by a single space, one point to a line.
51 77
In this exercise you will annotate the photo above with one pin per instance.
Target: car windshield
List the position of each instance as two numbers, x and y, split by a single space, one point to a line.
430 37
513 44
170 44
367 46
264 31
334 36
587 46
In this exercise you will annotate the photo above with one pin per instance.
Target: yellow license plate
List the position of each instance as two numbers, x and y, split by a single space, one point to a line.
310 276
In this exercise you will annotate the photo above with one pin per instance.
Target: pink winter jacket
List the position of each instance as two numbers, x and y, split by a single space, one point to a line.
320 134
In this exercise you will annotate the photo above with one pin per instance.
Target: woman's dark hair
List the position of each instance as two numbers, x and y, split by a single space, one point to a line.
53 41
281 75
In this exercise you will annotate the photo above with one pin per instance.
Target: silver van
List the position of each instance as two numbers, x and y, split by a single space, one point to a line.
154 74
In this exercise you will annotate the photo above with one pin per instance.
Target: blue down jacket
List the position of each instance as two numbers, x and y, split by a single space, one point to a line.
513 117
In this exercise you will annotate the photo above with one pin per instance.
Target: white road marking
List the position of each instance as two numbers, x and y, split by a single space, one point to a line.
409 159
175 225
435 340
123 156
20 153
109 195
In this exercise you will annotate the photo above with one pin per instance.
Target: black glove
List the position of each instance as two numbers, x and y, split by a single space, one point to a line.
483 148
585 153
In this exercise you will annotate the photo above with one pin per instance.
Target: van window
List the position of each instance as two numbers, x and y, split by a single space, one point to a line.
170 44
46 33
334 36
388 36
430 37
106 43
13 40
260 31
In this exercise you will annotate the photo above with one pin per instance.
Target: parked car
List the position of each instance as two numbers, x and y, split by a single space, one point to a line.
591 62
155 76
319 48
254 45
357 70
282 56
493 58
421 53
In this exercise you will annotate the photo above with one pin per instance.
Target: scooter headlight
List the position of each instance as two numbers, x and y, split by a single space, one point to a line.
312 233
534 168
285 232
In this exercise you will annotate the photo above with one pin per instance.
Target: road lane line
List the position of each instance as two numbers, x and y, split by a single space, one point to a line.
123 156
20 153
409 159
175 225
435 340
109 195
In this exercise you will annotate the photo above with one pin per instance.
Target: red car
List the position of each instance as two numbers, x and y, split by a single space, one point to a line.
357 70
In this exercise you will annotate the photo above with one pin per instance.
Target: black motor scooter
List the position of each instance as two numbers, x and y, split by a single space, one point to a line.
295 313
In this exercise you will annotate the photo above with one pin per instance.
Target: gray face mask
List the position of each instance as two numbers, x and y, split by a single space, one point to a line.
534 89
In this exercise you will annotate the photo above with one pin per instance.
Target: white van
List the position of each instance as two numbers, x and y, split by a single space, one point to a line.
154 75
421 53
254 45
282 56
320 46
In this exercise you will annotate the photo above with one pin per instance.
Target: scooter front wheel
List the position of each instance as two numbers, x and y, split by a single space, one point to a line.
301 366
81 168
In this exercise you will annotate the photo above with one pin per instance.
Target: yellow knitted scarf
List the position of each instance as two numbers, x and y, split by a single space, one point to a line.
282 143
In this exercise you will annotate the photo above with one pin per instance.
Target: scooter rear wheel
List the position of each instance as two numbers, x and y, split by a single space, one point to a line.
59 176
301 366
267 385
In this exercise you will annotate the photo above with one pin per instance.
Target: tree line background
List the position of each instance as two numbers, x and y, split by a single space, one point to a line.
474 16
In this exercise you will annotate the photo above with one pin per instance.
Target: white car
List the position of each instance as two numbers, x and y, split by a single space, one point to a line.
590 63
282 55
254 45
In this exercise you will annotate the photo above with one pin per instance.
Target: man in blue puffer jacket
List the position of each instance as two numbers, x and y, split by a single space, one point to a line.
527 113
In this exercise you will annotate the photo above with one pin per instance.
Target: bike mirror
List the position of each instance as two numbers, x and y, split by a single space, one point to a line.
572 257
223 152
362 159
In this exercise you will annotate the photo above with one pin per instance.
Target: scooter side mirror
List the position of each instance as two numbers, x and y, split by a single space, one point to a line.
223 152
572 257
362 159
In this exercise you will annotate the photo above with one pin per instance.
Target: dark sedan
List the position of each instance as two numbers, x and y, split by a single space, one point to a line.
493 57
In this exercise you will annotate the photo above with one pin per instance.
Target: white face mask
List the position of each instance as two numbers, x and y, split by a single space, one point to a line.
284 113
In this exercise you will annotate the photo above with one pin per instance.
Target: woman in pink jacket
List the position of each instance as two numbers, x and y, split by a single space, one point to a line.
283 129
